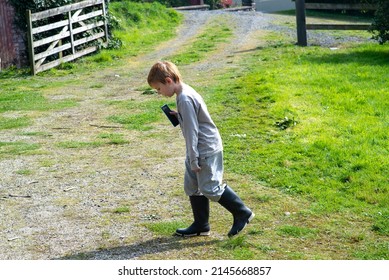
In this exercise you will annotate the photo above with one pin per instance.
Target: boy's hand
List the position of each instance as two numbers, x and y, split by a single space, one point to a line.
196 169
195 166
174 113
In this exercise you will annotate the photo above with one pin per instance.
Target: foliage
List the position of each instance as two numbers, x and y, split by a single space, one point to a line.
213 4
138 26
380 26
167 3
21 6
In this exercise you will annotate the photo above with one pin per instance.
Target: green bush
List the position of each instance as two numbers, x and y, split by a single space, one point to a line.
380 26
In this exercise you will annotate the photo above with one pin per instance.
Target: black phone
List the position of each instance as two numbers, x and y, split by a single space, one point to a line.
173 119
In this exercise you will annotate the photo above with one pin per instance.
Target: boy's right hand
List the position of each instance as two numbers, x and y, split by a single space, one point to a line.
196 169
194 166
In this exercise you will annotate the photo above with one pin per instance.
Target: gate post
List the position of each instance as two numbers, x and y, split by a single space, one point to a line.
30 43
301 24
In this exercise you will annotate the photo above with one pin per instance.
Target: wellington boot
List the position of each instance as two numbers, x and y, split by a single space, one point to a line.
200 226
242 215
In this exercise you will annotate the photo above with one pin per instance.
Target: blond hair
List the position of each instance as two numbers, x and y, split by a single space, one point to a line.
162 70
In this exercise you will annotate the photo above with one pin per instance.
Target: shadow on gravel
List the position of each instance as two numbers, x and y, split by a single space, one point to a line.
153 246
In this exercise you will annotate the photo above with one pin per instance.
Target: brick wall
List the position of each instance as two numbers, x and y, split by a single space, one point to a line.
13 49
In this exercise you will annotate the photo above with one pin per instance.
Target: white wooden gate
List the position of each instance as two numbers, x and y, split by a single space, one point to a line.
69 36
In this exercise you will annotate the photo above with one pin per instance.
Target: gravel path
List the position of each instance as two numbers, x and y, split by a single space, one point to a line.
66 205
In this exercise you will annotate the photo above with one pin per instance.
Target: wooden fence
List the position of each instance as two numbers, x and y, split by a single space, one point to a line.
302 26
74 30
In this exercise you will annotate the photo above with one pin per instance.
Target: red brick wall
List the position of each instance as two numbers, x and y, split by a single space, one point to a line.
12 43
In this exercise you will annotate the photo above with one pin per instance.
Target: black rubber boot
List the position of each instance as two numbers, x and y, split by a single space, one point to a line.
200 226
242 215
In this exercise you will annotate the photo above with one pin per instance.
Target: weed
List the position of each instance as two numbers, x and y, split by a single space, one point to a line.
122 209
24 172
381 223
286 123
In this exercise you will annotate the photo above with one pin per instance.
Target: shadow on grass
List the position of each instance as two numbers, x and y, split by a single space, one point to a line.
133 251
362 57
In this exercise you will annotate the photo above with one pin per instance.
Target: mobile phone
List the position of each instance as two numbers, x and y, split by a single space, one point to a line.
173 119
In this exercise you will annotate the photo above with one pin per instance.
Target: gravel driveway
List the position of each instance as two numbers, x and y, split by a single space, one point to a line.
66 206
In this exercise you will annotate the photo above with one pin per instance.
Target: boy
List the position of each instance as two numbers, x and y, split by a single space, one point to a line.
204 153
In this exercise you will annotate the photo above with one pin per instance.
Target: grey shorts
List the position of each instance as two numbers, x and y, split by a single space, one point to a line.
207 182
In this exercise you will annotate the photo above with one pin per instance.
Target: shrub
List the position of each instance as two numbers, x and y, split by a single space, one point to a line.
380 25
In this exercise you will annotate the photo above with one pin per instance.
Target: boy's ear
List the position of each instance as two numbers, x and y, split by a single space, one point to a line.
168 80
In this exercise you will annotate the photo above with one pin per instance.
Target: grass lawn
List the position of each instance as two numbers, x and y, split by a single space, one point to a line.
313 123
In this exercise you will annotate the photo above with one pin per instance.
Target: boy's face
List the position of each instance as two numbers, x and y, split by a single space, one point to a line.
167 89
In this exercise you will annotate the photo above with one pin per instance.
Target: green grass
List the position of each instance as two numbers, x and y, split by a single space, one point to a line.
142 115
27 100
103 139
113 138
24 172
239 247
337 152
140 121
334 152
22 96
121 209
80 144
139 115
9 123
140 28
165 228
295 231
215 33
17 148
